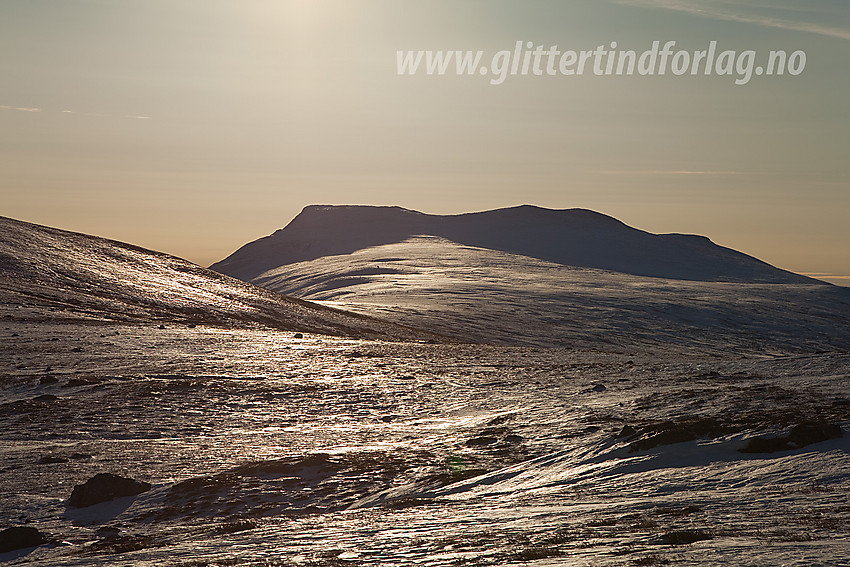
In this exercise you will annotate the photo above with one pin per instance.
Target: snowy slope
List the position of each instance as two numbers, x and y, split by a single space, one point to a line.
572 237
48 274
506 298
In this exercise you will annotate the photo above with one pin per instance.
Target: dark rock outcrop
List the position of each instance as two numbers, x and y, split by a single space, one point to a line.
104 487
20 537
800 435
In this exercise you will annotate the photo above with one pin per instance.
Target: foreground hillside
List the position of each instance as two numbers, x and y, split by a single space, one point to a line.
53 275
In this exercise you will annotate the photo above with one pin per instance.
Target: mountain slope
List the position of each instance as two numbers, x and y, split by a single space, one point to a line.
499 297
48 274
571 237
498 294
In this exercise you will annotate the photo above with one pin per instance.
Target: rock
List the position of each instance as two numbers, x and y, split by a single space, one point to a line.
665 437
481 441
104 487
684 537
599 388
800 435
298 336
626 432
45 398
813 432
51 460
20 537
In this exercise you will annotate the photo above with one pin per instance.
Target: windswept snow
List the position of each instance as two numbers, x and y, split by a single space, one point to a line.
52 275
500 297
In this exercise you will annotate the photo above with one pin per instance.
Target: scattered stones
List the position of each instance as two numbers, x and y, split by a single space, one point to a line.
104 487
20 537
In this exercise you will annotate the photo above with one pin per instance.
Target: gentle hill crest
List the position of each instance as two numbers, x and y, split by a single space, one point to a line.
570 237
52 275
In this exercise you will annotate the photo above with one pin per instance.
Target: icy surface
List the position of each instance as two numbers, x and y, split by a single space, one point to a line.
264 449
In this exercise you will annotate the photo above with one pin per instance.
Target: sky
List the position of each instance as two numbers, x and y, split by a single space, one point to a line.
195 126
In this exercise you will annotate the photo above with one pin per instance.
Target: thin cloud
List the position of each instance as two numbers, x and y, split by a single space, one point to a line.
729 13
77 113
674 172
100 115
19 108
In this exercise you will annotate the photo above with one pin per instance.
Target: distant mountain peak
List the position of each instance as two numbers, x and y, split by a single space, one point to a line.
571 237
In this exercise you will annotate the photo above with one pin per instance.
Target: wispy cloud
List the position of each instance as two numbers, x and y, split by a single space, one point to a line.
76 112
99 114
655 172
19 108
733 12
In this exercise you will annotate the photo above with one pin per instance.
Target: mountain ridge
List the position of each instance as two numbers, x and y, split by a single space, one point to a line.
571 237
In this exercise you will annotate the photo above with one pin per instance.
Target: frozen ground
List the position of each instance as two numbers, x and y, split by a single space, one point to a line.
268 444
264 449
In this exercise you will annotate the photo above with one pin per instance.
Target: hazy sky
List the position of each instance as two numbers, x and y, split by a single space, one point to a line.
194 126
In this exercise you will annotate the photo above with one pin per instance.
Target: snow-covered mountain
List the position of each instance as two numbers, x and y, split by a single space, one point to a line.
53 275
570 237
533 276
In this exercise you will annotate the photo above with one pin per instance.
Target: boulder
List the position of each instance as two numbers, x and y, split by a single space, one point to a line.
813 432
801 435
20 537
104 487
